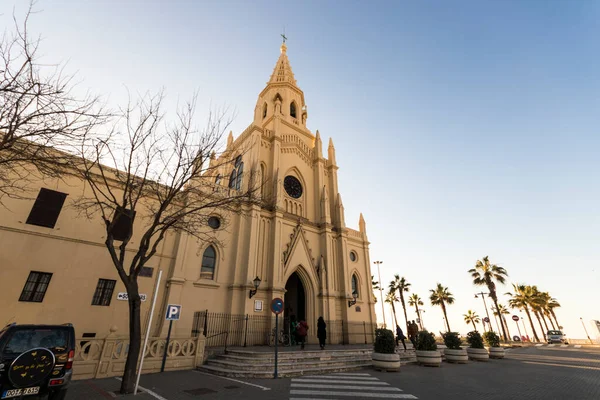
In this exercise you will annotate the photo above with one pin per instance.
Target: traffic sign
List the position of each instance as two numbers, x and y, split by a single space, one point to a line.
515 317
173 312
277 305
486 319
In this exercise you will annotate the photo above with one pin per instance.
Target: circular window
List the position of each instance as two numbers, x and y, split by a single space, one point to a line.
292 186
353 256
214 222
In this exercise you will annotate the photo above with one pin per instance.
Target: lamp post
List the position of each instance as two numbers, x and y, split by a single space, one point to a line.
256 283
482 294
378 263
524 326
586 332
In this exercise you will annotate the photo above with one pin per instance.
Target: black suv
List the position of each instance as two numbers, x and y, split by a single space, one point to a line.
36 360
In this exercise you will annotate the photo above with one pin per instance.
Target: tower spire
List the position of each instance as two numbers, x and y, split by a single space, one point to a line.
283 70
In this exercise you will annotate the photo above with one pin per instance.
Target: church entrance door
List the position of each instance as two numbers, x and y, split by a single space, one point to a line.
294 300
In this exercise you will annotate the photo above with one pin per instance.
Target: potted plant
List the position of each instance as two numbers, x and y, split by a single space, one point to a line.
427 353
493 342
384 351
476 351
454 353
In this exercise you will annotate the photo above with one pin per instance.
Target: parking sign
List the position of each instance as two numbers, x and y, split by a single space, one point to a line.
173 312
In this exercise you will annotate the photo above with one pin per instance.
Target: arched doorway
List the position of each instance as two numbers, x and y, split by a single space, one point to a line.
295 298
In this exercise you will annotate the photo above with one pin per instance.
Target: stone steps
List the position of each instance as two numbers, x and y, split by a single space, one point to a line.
260 364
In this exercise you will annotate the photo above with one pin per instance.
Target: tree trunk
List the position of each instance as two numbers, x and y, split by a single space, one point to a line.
474 327
394 311
544 319
404 308
445 316
537 339
554 315
551 322
495 300
135 338
418 316
506 325
540 322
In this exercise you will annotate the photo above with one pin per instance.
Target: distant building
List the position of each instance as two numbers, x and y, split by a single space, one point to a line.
55 268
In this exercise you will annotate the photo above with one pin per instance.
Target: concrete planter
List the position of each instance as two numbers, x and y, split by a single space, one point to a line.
441 348
456 356
429 358
478 354
386 362
497 352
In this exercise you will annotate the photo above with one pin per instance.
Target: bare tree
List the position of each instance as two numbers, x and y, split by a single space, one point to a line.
163 177
39 111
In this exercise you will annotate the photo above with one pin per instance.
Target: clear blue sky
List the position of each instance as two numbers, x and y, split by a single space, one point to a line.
462 129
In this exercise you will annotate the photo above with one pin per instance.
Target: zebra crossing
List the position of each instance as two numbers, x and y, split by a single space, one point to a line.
343 386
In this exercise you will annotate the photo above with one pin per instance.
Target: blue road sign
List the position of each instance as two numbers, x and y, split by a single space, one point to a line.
277 305
173 312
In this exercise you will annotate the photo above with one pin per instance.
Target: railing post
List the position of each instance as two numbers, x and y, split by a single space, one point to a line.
246 331
205 323
365 330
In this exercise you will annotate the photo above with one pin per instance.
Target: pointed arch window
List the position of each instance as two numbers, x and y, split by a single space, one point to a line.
218 179
209 260
265 111
355 285
235 179
293 110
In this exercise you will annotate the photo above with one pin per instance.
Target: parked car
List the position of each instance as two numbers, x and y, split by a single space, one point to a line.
36 360
556 337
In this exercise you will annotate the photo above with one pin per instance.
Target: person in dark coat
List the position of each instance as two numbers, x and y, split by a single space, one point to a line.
400 336
321 332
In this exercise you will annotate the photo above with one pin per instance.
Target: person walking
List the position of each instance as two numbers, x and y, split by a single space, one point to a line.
302 332
293 330
400 336
321 332
413 330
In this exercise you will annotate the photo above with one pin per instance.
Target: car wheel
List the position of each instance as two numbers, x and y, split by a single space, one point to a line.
57 394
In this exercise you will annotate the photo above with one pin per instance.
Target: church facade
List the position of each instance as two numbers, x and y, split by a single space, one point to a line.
298 248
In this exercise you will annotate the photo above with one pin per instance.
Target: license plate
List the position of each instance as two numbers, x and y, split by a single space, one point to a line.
20 392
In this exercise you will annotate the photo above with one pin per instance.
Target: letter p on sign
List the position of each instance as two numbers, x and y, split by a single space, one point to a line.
173 312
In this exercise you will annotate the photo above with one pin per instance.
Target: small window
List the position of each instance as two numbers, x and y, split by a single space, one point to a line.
208 263
104 292
214 222
123 227
293 110
353 256
355 285
232 179
218 179
235 179
265 111
35 287
146 272
238 181
46 209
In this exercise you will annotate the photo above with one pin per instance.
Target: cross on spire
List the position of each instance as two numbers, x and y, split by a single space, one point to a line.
283 36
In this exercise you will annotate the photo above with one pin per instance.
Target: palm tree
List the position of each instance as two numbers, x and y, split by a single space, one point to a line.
484 274
401 285
415 301
391 298
375 286
471 317
544 300
501 312
440 296
552 304
522 299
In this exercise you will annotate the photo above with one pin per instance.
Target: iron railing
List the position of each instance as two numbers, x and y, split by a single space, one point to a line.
223 330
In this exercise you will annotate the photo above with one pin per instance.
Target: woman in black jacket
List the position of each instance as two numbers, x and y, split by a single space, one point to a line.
321 332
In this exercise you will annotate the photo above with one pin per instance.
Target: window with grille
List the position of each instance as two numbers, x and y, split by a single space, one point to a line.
146 272
35 287
46 209
104 292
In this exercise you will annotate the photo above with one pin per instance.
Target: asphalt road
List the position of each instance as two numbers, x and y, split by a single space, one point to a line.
525 374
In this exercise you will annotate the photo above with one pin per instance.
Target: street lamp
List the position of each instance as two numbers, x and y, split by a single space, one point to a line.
378 263
586 332
256 283
353 302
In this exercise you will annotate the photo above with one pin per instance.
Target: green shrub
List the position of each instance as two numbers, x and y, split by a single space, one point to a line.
491 339
475 340
426 341
451 340
384 341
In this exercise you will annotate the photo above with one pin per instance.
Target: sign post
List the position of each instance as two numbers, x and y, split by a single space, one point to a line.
516 319
173 313
277 308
